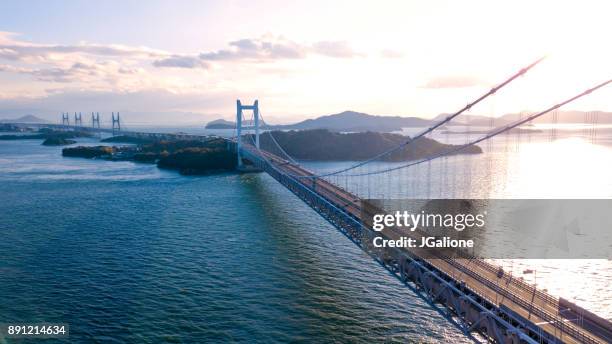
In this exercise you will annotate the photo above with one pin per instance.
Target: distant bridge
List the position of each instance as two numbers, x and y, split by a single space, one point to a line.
468 291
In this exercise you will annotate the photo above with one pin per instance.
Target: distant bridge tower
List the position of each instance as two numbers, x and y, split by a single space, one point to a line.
78 120
239 126
65 118
116 123
95 120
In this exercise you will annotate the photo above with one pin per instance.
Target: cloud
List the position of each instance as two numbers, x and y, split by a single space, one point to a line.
452 81
62 59
260 49
264 49
337 49
95 64
13 49
178 61
11 69
78 71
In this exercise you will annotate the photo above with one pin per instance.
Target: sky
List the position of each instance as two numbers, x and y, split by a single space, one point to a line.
175 62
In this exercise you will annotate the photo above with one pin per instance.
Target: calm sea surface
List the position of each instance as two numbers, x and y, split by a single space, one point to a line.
126 252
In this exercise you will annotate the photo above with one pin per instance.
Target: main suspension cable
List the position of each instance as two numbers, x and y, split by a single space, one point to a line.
490 135
434 127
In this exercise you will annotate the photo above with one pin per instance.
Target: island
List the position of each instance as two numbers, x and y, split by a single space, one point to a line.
89 151
346 121
214 154
327 145
58 141
128 139
189 157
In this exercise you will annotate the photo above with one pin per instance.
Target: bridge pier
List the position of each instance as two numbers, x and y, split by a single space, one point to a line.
116 123
78 119
65 118
95 120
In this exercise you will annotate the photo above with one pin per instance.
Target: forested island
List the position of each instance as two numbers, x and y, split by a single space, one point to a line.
186 156
326 145
127 139
58 141
214 154
346 121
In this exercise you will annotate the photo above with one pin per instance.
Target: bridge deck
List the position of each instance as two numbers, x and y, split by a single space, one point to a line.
479 276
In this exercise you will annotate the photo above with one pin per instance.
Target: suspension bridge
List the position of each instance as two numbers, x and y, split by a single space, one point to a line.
472 293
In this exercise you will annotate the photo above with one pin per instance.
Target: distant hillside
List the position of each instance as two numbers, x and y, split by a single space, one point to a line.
24 119
325 145
357 121
563 117
568 117
349 121
220 124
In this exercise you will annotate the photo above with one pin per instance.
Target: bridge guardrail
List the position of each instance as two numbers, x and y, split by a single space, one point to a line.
540 313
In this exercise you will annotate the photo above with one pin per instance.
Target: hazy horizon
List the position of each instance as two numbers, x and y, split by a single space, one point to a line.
191 119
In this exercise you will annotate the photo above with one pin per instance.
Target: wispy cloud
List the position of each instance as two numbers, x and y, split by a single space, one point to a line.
258 49
14 49
12 69
94 64
145 80
337 49
67 62
178 61
79 71
264 49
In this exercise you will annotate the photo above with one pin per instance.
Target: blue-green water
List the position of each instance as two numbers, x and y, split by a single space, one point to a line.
125 252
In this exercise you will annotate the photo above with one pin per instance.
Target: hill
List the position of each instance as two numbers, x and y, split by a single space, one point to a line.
220 124
357 121
24 119
349 121
325 145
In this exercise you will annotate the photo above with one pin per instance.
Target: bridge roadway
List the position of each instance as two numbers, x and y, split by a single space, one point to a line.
478 275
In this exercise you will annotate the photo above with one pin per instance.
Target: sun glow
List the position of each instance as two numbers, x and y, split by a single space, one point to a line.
573 168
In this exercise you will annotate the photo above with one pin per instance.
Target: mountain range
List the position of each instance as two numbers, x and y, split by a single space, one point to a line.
351 121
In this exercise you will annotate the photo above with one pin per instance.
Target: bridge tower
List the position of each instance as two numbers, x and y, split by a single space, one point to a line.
78 120
95 120
116 123
240 126
65 118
